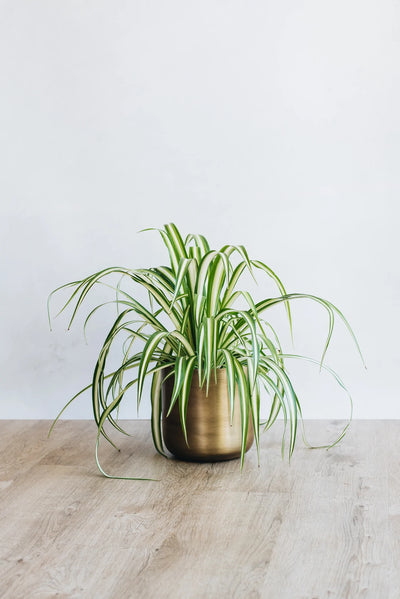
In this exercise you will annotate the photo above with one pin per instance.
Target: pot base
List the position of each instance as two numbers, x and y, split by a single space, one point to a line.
211 437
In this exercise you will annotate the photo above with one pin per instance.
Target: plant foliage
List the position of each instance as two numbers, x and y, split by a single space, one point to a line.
192 321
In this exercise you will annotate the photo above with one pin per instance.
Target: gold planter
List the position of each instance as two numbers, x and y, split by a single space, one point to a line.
211 438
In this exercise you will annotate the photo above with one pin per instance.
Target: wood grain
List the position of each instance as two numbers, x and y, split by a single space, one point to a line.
327 526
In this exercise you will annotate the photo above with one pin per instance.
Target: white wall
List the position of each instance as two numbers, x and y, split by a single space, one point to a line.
273 124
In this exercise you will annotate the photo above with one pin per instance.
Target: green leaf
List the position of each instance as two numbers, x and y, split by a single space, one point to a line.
98 400
279 284
231 376
251 327
182 270
175 245
230 294
179 375
156 412
218 272
185 392
342 385
330 308
255 414
210 349
201 243
104 417
244 407
147 356
291 398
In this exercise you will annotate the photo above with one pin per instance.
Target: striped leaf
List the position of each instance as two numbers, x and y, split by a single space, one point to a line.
147 356
231 376
244 406
156 412
184 393
291 399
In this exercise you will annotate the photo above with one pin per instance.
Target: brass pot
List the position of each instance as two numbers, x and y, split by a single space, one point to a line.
211 438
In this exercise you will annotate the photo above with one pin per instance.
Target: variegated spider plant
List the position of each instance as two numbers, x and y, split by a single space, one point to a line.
197 294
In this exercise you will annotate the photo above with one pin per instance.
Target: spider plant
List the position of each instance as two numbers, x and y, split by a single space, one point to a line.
193 321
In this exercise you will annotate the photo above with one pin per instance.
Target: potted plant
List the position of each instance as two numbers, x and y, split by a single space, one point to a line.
209 360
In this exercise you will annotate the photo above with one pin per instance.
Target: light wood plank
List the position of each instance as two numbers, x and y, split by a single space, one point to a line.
327 526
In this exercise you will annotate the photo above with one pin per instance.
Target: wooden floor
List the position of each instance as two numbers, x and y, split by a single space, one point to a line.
325 526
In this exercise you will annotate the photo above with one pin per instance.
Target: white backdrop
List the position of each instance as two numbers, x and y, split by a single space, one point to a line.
272 124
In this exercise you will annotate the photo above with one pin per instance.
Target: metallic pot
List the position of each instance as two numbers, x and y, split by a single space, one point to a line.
211 437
